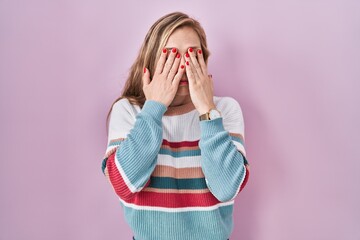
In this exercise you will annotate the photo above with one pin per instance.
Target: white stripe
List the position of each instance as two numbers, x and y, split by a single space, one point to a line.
182 162
184 209
109 149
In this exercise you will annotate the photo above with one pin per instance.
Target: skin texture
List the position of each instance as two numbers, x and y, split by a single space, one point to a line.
165 87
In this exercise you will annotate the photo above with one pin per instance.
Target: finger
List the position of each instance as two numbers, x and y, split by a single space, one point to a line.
211 80
200 58
195 62
189 65
169 61
174 68
189 73
161 62
146 76
178 76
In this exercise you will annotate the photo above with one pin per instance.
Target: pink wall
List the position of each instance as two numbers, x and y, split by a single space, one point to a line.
292 65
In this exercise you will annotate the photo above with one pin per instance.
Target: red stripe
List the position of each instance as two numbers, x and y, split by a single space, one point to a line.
181 144
117 181
174 200
245 180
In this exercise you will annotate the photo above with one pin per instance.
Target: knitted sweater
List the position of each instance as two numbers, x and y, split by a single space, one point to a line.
176 177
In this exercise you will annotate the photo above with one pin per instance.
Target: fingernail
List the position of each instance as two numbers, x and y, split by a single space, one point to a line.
164 50
190 49
182 66
200 52
187 55
178 55
187 63
144 70
174 50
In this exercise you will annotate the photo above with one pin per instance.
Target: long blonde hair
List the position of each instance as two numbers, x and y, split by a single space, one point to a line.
155 40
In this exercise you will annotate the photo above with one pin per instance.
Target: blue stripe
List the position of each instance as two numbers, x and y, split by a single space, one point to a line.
115 143
186 153
173 183
134 238
210 225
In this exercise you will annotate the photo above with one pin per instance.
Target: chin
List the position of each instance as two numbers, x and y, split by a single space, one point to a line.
183 91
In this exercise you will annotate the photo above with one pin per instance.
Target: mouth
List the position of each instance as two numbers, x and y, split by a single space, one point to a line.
184 82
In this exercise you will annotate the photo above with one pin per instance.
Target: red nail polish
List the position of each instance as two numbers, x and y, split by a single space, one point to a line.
182 66
187 55
178 55
174 50
164 50
144 70
200 52
187 63
190 50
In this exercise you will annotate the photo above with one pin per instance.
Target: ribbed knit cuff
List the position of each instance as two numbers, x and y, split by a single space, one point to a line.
210 127
154 109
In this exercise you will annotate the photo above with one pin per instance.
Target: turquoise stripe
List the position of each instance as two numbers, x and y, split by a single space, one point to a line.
237 139
173 183
103 166
186 153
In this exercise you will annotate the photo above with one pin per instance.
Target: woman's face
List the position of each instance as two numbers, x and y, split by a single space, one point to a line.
182 39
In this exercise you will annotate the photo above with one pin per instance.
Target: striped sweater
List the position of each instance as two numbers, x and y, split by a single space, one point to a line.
176 177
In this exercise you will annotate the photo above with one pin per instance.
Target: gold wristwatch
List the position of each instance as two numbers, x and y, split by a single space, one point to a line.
212 114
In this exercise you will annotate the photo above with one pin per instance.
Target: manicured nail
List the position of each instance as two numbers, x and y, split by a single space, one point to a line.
174 50
144 70
200 52
178 55
182 66
187 63
164 50
187 55
190 50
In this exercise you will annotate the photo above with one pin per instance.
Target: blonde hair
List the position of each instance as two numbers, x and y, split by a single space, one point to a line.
155 40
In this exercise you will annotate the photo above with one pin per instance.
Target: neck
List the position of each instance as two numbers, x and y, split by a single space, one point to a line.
180 100
180 105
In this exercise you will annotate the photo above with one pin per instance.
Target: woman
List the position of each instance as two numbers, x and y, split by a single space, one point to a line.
175 155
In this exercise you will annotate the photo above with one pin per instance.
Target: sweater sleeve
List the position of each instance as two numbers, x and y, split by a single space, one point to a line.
133 145
224 162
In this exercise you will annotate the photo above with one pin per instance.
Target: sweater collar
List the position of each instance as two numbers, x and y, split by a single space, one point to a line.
181 109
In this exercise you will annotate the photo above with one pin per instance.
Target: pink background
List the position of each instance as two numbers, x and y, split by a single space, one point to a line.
292 65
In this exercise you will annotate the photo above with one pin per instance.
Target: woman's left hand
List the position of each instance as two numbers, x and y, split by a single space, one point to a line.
200 83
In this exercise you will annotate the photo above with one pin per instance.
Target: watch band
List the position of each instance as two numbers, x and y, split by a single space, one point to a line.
207 116
204 116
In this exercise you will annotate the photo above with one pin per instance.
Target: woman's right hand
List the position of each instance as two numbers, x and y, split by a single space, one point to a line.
166 79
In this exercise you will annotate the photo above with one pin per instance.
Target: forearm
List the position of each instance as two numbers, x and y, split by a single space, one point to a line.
130 166
222 163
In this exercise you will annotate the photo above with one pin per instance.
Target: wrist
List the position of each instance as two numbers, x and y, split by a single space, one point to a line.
211 115
206 109
154 108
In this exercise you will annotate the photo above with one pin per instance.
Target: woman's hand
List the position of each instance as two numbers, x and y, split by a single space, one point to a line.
200 83
165 82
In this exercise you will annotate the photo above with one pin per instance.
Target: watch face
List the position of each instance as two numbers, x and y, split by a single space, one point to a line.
214 114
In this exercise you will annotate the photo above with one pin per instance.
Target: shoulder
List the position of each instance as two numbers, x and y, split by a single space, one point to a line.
227 105
125 108
231 113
